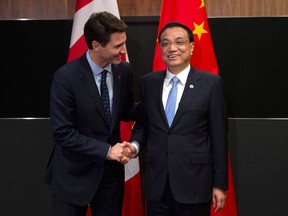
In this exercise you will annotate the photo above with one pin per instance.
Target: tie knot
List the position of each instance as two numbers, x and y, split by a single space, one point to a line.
104 73
175 80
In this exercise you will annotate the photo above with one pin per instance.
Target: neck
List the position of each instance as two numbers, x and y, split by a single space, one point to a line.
177 69
96 59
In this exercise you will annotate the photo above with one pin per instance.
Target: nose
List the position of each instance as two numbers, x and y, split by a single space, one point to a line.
123 49
172 46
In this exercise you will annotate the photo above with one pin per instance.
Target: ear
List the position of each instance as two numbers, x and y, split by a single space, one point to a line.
192 47
96 45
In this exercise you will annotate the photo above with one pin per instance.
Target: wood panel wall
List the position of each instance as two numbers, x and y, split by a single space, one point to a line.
64 9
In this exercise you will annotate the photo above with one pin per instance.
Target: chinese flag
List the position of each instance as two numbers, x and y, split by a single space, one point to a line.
132 204
193 14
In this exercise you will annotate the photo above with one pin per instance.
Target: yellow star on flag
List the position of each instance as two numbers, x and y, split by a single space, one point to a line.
199 30
202 4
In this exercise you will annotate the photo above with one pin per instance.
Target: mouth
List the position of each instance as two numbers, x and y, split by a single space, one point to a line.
118 57
172 56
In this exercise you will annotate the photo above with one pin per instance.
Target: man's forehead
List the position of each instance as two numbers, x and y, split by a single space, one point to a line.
117 37
175 32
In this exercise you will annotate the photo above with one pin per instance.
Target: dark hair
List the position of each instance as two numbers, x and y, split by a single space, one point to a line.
100 26
177 24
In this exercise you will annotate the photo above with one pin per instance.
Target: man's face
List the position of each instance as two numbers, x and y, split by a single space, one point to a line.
176 49
114 49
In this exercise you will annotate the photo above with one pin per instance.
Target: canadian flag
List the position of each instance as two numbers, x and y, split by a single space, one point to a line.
132 204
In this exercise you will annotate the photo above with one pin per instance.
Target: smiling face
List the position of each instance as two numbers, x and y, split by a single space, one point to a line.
176 49
111 52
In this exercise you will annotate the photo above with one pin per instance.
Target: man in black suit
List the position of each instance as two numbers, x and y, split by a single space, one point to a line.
186 155
89 98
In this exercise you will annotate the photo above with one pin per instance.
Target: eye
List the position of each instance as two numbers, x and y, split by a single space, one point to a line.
164 44
180 43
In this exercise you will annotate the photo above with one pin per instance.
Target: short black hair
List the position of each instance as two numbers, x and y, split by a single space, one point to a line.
100 26
176 24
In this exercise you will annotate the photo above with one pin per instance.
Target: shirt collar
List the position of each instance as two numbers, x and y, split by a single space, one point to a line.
182 76
95 68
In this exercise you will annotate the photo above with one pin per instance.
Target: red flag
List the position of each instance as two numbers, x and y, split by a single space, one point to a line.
193 15
132 204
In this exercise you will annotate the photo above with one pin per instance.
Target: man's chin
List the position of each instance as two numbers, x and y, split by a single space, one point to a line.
117 61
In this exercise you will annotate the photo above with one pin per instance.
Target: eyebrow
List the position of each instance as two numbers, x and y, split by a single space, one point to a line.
119 45
178 38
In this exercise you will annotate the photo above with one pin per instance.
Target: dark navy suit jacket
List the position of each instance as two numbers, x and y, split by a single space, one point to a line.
80 131
193 152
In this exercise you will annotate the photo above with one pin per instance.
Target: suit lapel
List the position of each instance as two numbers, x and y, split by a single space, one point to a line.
190 91
158 94
88 81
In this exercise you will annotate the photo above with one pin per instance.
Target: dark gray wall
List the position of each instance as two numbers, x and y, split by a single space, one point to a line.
25 146
258 151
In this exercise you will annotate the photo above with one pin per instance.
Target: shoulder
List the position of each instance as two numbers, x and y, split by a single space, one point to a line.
154 75
123 66
72 69
206 77
74 64
206 74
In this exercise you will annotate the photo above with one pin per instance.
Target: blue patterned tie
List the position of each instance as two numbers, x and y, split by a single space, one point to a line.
171 101
105 96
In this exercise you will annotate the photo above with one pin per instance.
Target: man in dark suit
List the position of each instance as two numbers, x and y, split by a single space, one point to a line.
89 98
186 153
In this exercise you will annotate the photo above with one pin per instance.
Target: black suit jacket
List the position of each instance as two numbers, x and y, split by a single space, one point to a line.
80 131
193 151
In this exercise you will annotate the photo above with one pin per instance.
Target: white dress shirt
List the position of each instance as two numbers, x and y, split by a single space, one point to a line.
167 85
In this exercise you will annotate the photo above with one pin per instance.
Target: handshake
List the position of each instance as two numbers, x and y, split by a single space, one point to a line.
122 152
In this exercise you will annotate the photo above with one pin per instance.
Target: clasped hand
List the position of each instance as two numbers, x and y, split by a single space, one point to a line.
122 152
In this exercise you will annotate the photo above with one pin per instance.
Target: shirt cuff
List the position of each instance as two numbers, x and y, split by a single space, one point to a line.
136 145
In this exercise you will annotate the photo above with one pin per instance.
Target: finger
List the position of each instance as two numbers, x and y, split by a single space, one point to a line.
217 209
124 160
124 144
128 152
220 205
124 153
214 201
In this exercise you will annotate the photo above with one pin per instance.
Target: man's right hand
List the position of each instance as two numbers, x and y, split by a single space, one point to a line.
119 153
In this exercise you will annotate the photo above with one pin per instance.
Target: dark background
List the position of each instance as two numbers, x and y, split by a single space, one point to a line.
251 54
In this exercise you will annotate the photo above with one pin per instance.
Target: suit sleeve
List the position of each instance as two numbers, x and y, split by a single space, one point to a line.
139 132
218 132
